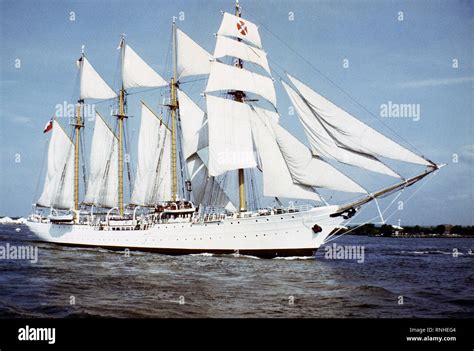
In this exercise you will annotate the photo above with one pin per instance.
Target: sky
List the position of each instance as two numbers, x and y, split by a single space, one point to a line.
356 53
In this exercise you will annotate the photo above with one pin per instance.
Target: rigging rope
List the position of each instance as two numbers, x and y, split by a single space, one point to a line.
331 81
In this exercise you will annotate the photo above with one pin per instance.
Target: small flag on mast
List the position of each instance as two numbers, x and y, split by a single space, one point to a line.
48 126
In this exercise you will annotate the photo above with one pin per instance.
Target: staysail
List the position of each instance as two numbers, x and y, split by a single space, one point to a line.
351 133
307 169
58 190
102 187
323 144
195 135
206 189
153 178
277 180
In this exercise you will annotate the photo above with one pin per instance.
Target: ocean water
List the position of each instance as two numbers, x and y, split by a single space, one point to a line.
73 282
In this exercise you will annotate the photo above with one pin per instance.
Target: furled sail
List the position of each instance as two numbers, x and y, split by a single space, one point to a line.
307 169
58 190
233 48
153 180
277 180
238 27
230 136
191 58
92 86
137 73
351 133
226 77
323 144
102 187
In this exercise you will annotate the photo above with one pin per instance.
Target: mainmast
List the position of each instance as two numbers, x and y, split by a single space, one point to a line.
239 96
173 107
121 116
77 142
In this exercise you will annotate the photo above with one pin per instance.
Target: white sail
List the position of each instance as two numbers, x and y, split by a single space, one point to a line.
191 58
58 190
102 187
238 27
92 86
277 180
233 48
230 136
137 73
349 132
207 191
195 135
322 143
310 170
225 77
153 179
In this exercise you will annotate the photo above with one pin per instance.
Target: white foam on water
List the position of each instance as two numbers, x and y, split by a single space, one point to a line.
244 256
204 254
293 258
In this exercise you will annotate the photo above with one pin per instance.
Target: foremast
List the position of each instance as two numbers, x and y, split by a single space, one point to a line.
77 143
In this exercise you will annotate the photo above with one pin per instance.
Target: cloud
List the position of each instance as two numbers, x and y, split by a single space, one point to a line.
435 82
459 197
19 119
467 152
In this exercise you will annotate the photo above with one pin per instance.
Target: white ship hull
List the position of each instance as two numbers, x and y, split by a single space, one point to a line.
288 234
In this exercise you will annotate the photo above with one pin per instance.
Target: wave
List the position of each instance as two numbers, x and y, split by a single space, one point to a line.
294 258
204 254
373 289
431 252
237 255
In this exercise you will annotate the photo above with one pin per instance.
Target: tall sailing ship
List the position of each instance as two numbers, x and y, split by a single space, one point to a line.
180 201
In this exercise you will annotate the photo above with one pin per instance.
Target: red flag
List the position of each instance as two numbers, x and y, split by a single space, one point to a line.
48 126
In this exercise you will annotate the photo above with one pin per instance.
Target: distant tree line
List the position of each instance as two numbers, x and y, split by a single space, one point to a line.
388 230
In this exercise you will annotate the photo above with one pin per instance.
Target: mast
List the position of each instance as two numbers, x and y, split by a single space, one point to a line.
77 142
173 107
239 96
120 117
